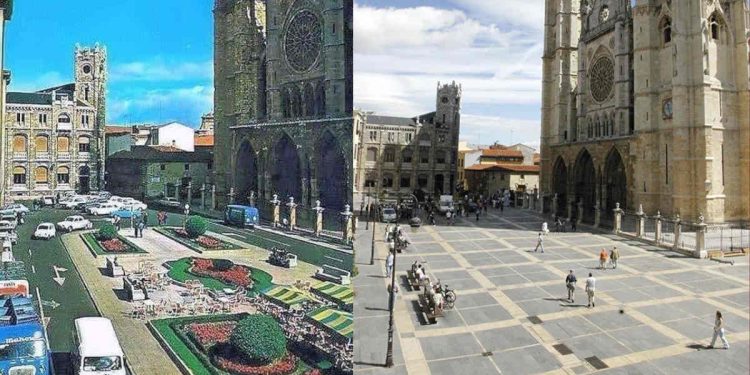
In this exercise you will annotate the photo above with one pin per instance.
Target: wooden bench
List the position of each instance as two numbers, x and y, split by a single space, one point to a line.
430 314
331 273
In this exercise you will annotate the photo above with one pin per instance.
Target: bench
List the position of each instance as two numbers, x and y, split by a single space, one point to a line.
114 269
430 314
133 293
412 279
331 273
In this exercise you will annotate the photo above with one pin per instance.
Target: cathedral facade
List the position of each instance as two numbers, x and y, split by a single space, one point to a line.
283 101
54 138
647 102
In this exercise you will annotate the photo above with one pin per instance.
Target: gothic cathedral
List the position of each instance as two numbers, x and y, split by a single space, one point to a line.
283 101
646 102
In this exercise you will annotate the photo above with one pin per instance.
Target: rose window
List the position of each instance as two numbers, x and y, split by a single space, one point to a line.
303 40
601 78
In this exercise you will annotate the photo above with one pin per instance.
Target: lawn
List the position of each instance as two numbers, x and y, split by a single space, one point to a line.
179 271
98 250
193 244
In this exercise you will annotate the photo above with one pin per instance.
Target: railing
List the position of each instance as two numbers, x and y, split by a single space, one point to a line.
667 232
42 156
629 223
728 237
20 155
688 236
649 228
63 156
64 126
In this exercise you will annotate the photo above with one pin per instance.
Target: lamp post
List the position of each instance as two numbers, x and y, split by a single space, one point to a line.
391 305
372 244
187 212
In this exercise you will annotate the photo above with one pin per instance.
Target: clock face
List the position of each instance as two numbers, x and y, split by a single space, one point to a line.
667 108
604 14
303 40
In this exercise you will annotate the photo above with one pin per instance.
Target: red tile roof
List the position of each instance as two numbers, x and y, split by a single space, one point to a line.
114 129
504 167
204 140
501 152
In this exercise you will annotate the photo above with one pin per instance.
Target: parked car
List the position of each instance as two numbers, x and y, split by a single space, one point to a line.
45 230
388 215
8 232
8 223
47 200
127 201
17 207
103 209
126 212
171 202
72 202
75 222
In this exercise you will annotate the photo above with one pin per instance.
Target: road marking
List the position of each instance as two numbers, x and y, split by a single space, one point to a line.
57 278
53 304
232 234
33 269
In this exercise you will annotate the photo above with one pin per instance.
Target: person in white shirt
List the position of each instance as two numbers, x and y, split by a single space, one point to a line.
719 331
389 264
539 243
590 288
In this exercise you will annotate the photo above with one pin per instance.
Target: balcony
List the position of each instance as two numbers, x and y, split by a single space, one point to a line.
63 156
42 156
20 156
84 156
62 126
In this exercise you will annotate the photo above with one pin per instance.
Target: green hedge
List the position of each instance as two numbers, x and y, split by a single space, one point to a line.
196 226
259 338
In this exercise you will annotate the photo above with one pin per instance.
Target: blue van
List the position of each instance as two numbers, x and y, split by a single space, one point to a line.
241 216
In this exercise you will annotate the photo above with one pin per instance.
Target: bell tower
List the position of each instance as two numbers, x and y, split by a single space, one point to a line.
91 77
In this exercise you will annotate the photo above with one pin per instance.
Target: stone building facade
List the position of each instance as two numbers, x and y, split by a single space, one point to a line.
283 101
646 102
54 138
400 156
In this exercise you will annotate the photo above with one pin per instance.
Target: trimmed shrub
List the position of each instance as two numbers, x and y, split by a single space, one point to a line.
222 264
195 226
259 339
107 232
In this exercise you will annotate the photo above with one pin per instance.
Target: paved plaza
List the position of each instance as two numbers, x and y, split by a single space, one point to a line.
654 313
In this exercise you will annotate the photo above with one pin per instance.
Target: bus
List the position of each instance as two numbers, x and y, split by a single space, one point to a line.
242 216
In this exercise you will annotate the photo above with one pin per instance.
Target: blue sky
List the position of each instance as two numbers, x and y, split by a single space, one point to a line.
160 53
493 48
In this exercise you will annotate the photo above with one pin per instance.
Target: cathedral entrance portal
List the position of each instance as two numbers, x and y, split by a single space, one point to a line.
585 187
560 185
246 179
616 183
332 175
285 177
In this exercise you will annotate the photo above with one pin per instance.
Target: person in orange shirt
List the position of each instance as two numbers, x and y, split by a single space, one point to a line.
603 259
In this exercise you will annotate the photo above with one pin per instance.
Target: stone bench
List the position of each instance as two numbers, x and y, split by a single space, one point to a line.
113 269
331 273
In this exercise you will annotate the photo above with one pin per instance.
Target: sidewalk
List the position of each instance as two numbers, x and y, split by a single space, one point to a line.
144 354
371 307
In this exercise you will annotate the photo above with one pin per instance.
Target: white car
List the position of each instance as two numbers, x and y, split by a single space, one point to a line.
137 205
389 215
45 230
170 202
103 209
74 222
17 207
73 202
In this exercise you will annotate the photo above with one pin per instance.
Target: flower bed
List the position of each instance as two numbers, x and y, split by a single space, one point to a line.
200 244
203 345
237 275
182 270
118 245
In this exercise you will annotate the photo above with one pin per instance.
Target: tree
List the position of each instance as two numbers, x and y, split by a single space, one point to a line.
195 226
259 339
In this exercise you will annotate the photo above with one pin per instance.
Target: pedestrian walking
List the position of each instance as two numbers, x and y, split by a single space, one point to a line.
432 218
614 255
719 331
573 222
387 232
539 243
478 213
501 205
141 225
570 283
590 288
545 228
145 219
448 215
389 264
116 222
603 259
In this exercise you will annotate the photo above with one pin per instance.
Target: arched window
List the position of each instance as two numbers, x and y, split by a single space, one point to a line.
387 180
19 176
84 144
19 143
63 118
296 103
389 155
63 175
309 100
41 175
285 107
320 100
372 154
666 30
715 25
440 157
63 144
422 181
405 181
41 143
407 155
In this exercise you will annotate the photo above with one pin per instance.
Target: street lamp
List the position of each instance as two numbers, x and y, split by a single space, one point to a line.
187 212
391 303
372 244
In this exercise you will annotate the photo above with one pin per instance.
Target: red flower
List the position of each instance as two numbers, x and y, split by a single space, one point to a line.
237 275
283 366
208 334
114 245
208 242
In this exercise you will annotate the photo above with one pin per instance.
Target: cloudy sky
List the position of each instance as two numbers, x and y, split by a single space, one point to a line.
160 53
402 48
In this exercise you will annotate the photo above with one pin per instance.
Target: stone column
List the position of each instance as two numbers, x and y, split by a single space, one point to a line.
641 224
570 208
597 215
657 229
579 219
677 231
177 191
231 195
555 206
700 238
203 196
189 197
318 218
213 196
618 219
292 213
276 214
347 216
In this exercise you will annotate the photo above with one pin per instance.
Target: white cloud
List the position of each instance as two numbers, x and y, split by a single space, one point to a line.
401 53
38 82
159 69
185 105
